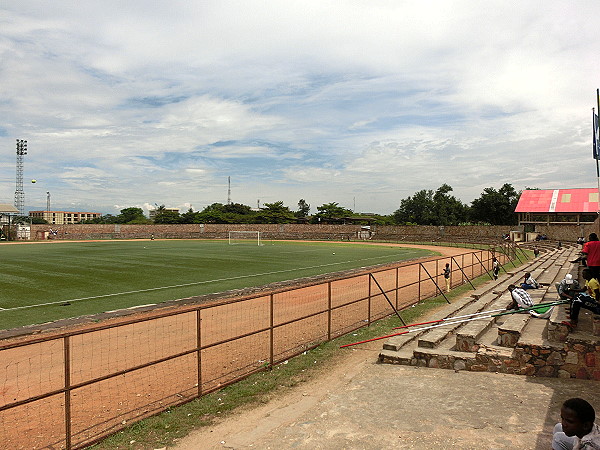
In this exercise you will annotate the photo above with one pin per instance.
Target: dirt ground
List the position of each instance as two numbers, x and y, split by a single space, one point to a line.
359 404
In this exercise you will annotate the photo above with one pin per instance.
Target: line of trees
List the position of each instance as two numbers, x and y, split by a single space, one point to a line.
425 207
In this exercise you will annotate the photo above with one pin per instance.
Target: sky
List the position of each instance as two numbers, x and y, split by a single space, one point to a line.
362 103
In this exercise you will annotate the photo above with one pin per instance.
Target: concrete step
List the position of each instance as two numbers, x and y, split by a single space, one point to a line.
469 336
491 343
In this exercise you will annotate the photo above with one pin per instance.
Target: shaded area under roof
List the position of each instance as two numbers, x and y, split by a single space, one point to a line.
7 208
558 201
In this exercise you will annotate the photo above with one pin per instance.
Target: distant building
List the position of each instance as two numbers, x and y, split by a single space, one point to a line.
64 217
6 211
557 206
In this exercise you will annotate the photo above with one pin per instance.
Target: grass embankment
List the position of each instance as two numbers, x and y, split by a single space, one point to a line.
164 429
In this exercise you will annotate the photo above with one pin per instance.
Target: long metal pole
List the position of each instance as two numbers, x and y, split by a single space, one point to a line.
463 272
433 280
387 298
450 318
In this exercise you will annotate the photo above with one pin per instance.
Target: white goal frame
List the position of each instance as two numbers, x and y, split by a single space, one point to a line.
244 237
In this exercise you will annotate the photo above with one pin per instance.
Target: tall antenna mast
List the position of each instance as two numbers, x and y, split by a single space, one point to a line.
19 193
229 190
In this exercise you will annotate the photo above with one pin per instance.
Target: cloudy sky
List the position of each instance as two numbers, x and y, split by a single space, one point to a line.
362 103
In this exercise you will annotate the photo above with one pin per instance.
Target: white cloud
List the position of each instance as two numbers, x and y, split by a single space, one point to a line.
351 101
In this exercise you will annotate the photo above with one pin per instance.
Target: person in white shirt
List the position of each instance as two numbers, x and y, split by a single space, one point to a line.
576 430
521 299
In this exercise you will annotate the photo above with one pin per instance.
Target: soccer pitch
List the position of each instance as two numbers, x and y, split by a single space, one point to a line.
45 282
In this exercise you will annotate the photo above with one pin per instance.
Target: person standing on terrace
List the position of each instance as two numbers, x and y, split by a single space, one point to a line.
591 250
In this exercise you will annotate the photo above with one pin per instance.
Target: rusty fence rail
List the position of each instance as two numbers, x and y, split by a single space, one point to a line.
71 389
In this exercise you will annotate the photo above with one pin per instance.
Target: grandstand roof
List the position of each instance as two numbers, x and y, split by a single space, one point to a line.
558 201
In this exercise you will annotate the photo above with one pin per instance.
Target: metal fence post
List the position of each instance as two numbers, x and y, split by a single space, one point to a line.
271 331
329 310
419 285
369 303
199 351
67 357
397 283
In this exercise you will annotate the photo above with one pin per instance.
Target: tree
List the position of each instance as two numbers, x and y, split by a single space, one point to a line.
190 217
330 212
132 215
496 207
418 209
275 213
431 208
237 208
231 213
448 209
303 208
166 217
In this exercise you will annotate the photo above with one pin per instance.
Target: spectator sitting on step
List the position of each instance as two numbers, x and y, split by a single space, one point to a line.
568 287
529 282
521 299
576 429
586 300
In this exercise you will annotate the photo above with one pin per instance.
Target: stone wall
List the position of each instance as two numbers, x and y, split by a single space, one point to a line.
268 231
567 232
575 359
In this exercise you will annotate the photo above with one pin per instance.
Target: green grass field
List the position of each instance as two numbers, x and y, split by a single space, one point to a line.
46 282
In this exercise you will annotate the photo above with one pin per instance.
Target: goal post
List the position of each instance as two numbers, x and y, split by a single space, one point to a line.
244 237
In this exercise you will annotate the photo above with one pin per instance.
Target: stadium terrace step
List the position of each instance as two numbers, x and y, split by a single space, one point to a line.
517 343
509 332
588 324
395 343
468 338
434 337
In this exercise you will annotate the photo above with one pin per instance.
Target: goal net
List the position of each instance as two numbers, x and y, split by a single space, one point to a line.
244 237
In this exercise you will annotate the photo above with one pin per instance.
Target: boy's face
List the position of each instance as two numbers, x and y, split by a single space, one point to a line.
572 425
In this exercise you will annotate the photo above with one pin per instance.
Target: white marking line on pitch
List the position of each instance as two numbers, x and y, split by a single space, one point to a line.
183 285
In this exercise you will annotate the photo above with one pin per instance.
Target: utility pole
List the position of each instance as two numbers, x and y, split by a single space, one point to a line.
19 193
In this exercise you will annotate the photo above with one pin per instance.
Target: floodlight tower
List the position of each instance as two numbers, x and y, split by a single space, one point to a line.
229 190
19 193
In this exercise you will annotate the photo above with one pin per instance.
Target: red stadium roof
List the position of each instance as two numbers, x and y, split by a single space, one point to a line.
559 201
